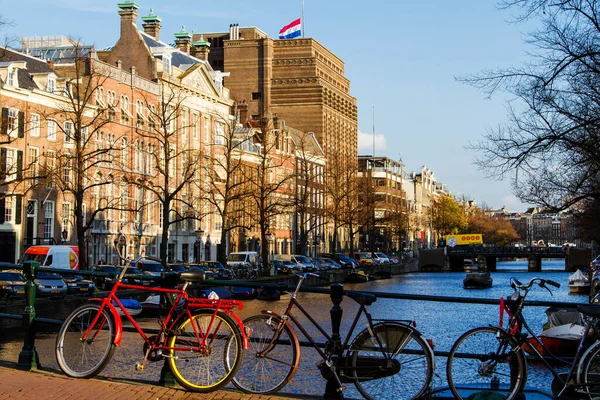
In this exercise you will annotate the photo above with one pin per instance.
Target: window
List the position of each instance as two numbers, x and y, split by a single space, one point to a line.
50 166
33 156
206 129
8 209
100 96
11 77
256 95
13 122
51 85
52 130
167 63
48 219
67 170
124 154
219 133
66 218
139 114
34 125
69 133
11 164
125 114
184 128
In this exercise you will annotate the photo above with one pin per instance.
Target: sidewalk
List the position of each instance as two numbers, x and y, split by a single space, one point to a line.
39 384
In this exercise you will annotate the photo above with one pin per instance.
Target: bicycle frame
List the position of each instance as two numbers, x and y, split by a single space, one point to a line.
171 319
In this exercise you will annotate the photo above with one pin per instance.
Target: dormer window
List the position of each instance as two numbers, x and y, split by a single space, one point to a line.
167 63
51 85
11 77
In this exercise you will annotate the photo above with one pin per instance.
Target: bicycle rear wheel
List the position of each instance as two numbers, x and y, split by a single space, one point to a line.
79 358
396 361
271 371
484 360
209 363
589 371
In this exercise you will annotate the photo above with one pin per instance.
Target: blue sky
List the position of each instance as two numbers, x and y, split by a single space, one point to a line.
401 56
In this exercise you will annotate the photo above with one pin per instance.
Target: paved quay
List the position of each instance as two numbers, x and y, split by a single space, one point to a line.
40 384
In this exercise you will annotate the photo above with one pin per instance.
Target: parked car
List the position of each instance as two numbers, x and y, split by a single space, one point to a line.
152 267
176 267
219 271
135 276
50 284
108 277
320 264
284 267
344 260
363 259
302 262
381 257
77 284
12 284
332 264
394 259
201 267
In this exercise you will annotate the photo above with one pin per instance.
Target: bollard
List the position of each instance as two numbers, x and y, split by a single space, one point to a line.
166 376
337 295
28 358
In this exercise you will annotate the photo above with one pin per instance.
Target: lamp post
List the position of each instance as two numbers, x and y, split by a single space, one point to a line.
272 244
199 233
64 235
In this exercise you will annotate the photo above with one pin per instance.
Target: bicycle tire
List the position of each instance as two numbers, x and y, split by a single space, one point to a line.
85 358
589 371
469 370
271 372
403 368
212 367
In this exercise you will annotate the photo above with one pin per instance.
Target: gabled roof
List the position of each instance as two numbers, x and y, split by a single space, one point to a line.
34 66
179 59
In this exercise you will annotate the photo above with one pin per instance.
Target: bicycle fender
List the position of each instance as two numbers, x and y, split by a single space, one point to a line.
585 355
116 318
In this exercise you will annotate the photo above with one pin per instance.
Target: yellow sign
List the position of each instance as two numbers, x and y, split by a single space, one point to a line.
466 238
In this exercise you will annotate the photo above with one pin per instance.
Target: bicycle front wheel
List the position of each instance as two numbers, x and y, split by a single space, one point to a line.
272 358
486 360
80 357
589 371
395 362
208 361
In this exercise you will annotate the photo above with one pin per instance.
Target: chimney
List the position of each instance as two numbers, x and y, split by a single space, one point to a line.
183 40
128 15
201 48
151 24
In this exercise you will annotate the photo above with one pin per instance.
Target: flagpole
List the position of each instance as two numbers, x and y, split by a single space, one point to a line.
302 19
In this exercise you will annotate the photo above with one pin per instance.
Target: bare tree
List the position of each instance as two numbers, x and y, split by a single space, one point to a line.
165 165
80 120
273 180
226 186
551 139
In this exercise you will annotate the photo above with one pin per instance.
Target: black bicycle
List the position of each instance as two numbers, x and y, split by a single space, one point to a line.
491 359
387 358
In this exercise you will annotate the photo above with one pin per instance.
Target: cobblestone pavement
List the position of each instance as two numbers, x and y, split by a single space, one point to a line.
39 384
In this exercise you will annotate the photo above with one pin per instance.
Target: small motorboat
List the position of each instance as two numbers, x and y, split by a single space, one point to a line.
357 277
151 306
478 280
561 334
220 292
268 294
381 275
579 283
244 293
133 307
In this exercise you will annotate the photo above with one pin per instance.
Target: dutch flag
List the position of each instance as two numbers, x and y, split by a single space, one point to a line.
292 30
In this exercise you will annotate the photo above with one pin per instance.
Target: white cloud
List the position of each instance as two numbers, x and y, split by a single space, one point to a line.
365 143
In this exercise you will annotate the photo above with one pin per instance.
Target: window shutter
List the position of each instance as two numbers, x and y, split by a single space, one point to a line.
19 164
4 126
2 164
21 124
18 209
2 210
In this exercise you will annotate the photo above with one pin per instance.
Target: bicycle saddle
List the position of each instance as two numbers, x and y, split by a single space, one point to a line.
589 309
192 276
362 298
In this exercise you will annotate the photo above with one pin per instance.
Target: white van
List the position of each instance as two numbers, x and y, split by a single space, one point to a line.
54 256
248 259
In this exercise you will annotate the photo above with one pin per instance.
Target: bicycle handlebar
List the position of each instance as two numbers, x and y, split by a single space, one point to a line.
541 282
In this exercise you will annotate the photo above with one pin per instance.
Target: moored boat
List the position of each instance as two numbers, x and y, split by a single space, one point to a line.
579 283
244 293
133 307
357 277
268 294
561 334
477 280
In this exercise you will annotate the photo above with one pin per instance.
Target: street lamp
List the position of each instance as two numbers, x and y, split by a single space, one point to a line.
64 235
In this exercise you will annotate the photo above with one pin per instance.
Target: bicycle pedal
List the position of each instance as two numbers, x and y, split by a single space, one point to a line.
341 388
140 366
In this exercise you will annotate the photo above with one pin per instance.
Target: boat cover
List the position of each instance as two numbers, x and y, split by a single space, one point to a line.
578 276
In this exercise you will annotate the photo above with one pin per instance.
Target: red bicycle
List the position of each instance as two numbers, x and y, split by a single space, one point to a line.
201 339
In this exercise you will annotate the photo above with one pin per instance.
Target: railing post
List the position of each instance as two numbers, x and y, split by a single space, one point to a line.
337 295
28 358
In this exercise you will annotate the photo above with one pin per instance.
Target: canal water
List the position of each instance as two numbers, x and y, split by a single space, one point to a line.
439 321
